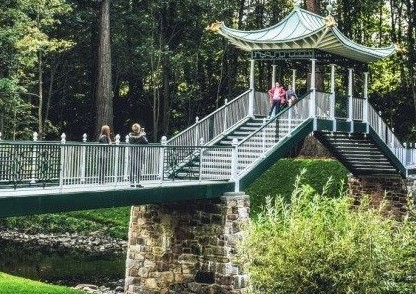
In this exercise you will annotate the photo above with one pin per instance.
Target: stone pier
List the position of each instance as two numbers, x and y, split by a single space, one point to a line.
186 247
394 190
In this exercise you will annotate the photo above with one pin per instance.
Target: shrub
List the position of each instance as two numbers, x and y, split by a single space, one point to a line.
319 244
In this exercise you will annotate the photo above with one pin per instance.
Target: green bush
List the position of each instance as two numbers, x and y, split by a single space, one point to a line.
319 244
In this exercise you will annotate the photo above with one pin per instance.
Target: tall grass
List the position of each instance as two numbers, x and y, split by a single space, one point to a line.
317 243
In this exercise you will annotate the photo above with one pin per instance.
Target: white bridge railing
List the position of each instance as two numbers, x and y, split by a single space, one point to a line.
187 156
221 120
64 165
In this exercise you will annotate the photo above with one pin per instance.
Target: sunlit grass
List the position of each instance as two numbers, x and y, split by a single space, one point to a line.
15 285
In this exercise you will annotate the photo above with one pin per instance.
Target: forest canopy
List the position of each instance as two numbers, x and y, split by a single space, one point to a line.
67 66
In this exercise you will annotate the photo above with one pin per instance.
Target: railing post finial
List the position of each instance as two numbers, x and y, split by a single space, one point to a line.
196 119
117 139
84 137
35 136
201 141
127 139
63 138
164 141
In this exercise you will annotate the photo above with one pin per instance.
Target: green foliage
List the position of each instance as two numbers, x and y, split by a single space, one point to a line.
319 244
280 179
10 284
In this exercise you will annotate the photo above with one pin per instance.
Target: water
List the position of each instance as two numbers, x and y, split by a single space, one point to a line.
60 265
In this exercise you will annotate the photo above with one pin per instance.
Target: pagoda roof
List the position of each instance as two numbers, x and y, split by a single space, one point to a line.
302 29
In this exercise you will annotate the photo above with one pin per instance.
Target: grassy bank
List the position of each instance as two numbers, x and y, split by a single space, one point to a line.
15 285
280 179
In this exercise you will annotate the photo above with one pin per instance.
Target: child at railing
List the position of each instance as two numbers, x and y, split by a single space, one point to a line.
291 96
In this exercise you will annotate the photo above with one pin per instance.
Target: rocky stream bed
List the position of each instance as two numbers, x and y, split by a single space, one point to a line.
94 243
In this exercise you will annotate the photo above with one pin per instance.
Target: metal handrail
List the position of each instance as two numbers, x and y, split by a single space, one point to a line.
212 125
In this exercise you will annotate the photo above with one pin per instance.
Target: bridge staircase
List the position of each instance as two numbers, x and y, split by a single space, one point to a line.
191 167
359 153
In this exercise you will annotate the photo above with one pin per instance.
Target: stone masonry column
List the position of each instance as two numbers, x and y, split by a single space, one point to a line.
186 247
393 189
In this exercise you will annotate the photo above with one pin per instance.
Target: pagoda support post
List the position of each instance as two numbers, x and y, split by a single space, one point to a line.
294 80
350 106
273 74
312 105
365 102
251 95
332 99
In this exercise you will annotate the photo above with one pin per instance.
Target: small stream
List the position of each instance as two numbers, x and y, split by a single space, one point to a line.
61 266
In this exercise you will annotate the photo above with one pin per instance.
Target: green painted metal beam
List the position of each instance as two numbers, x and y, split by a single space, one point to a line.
388 153
67 201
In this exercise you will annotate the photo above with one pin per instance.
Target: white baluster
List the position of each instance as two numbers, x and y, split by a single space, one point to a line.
201 153
116 159
34 152
63 158
225 116
196 131
379 121
263 133
234 165
126 158
84 154
163 141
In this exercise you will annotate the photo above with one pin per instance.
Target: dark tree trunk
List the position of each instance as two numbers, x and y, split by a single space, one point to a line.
314 6
104 98
166 93
411 41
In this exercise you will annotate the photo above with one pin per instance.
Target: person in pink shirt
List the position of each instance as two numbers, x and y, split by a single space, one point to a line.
277 96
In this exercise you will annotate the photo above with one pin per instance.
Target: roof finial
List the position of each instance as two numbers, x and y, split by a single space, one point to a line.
214 27
330 6
329 19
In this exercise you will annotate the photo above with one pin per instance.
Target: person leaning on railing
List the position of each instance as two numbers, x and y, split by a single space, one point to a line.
102 156
138 136
291 95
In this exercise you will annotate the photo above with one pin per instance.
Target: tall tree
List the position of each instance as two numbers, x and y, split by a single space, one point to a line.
104 91
315 7
34 23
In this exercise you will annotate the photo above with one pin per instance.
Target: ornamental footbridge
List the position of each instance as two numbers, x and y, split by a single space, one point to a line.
223 152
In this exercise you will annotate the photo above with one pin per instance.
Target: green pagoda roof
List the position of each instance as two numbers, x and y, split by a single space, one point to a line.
302 29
